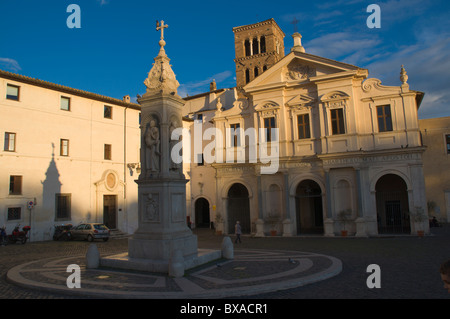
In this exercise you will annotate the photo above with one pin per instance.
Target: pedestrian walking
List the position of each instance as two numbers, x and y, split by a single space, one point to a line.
238 232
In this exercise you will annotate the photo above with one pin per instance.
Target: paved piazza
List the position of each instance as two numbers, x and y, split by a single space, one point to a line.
322 268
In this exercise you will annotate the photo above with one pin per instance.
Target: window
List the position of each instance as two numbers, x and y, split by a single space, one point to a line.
256 72
235 134
62 209
337 121
247 76
447 140
107 112
384 118
107 152
10 142
303 126
247 47
12 92
255 46
262 44
15 185
269 125
65 103
264 68
14 213
64 147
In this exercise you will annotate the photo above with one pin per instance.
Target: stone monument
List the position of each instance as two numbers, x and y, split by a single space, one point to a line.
162 234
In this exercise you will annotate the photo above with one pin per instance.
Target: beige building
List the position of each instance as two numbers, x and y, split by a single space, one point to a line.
70 153
436 159
346 144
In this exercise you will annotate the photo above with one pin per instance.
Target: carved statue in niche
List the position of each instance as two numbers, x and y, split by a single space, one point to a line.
173 166
152 141
152 208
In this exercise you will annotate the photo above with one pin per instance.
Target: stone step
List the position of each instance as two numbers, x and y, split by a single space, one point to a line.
117 233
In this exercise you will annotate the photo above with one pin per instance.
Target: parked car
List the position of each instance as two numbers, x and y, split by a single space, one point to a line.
90 231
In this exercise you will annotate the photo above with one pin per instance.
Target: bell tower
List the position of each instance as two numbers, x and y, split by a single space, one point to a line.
258 46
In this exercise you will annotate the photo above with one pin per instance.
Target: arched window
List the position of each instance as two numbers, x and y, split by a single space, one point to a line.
247 75
256 71
247 47
255 46
264 68
262 44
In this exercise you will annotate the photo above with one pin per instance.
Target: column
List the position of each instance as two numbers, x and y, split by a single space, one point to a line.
259 44
359 193
287 223
328 195
260 221
328 222
360 221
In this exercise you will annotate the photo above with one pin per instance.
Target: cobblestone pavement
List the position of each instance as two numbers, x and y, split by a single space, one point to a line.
409 265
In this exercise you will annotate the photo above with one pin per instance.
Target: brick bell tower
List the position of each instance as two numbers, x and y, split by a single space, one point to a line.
258 46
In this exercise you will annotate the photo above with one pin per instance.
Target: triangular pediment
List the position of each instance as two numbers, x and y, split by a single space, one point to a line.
301 100
298 67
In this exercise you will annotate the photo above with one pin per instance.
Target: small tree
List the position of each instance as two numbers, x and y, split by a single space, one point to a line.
218 223
419 217
345 216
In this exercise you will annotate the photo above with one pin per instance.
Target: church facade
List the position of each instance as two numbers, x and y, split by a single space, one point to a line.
348 149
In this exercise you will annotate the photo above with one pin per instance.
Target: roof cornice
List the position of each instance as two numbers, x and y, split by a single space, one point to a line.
66 89
258 24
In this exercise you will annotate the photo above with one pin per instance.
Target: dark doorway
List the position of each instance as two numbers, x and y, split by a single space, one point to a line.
392 205
309 210
110 211
202 219
238 208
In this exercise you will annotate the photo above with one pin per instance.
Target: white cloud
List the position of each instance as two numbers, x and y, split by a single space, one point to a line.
102 2
197 87
10 64
345 46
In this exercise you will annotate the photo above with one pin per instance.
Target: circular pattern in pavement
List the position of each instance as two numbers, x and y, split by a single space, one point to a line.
250 272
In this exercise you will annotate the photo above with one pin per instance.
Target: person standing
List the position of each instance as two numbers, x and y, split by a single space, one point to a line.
238 232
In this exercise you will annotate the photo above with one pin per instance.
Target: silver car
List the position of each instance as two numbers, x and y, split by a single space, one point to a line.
90 231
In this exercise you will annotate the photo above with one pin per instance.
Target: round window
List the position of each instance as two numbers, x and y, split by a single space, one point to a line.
111 180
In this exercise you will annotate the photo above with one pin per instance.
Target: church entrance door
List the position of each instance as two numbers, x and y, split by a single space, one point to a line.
110 211
202 219
392 205
309 208
238 208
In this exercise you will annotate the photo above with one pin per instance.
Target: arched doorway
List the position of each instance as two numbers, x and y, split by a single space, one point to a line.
238 208
309 208
202 219
392 205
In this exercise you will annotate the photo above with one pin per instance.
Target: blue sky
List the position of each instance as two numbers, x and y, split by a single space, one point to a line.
113 50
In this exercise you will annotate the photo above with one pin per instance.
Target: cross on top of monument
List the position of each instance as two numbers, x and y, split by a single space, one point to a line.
161 26
295 22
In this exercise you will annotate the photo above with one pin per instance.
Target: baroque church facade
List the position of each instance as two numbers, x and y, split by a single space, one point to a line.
301 145
349 148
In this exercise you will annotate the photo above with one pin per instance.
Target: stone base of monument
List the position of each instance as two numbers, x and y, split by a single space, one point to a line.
124 261
160 246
